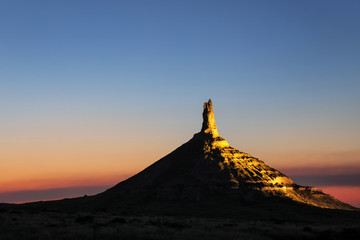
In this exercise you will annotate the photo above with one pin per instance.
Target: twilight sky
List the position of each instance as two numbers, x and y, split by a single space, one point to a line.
92 92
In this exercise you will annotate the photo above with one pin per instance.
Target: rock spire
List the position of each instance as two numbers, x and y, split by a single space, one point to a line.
209 125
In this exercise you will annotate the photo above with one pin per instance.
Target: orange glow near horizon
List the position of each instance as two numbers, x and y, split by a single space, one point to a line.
36 166
53 167
61 182
347 194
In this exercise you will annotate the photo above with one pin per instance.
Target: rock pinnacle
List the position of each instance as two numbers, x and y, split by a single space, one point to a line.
209 125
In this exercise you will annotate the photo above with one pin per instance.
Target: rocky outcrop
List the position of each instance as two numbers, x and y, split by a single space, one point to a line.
209 125
207 165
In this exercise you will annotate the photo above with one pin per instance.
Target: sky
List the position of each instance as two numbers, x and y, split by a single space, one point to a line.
92 92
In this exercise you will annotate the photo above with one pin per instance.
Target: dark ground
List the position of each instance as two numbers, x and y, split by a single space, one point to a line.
39 221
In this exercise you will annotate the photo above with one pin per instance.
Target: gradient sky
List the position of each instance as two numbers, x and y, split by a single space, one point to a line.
92 92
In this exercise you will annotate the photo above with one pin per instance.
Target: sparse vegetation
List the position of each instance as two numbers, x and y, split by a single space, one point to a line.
61 226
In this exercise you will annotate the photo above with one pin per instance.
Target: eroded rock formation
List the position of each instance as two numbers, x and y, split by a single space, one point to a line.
207 166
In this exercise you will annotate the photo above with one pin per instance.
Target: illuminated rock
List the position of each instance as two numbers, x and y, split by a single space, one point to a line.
209 125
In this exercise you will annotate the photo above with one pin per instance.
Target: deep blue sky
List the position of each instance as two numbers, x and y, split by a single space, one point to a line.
284 77
271 59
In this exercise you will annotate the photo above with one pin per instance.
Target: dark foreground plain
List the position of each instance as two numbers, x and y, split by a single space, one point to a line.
253 221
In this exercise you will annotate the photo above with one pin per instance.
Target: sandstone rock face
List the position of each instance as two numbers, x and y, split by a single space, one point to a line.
209 125
206 164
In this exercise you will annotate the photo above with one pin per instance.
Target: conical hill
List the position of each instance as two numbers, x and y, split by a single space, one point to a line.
206 166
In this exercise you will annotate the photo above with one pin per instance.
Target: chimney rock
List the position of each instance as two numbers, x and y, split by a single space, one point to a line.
209 125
